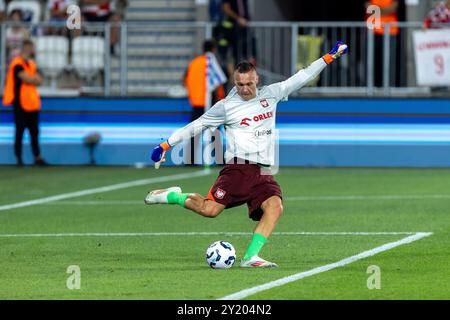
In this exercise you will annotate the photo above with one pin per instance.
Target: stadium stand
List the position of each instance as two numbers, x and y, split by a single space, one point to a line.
52 56
88 56
159 37
158 52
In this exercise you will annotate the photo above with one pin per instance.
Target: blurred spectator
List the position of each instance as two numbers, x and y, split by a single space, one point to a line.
16 33
242 42
21 92
389 15
223 35
196 80
102 11
58 9
439 17
2 11
58 15
204 81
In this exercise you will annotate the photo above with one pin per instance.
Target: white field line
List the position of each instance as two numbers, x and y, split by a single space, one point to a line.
299 198
112 187
369 197
158 234
269 285
98 203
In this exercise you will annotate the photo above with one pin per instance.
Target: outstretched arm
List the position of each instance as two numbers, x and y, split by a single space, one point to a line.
213 118
304 76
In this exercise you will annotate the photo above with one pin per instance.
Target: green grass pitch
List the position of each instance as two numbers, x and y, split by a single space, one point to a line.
164 265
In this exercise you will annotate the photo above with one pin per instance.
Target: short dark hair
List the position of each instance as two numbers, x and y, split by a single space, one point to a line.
245 66
209 45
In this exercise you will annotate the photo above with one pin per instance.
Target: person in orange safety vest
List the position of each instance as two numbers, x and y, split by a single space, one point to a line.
204 81
196 82
388 15
21 93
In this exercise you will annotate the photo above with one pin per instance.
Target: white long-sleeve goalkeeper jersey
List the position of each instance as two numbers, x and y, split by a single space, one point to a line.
250 125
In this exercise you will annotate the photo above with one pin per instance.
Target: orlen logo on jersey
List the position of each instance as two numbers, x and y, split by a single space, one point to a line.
244 122
263 116
260 117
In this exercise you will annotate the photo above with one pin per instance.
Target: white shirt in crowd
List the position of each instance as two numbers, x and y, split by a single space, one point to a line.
99 10
59 4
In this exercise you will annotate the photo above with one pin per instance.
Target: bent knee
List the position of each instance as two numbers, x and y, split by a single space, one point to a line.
278 209
274 206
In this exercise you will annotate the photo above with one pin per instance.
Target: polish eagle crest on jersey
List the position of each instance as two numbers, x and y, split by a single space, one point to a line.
219 194
264 103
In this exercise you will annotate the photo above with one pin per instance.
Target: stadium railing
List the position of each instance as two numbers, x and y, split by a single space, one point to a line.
150 58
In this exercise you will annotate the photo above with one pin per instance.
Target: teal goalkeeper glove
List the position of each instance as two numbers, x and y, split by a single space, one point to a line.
339 49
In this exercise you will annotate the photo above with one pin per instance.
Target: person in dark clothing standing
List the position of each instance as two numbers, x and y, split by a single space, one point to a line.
21 92
243 43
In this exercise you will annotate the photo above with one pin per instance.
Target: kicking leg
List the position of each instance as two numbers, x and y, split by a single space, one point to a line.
203 206
192 201
272 209
161 196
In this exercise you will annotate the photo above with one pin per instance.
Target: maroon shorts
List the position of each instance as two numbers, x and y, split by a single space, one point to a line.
243 183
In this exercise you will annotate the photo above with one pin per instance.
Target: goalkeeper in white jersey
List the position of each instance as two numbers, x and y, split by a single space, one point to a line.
248 116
